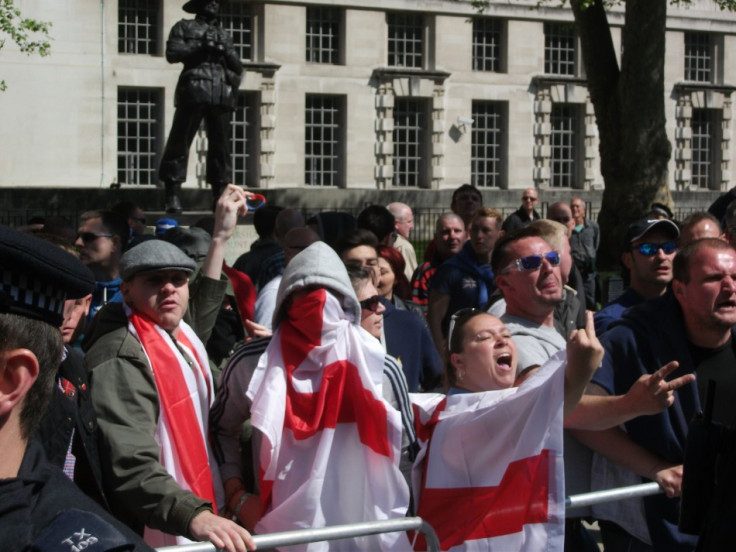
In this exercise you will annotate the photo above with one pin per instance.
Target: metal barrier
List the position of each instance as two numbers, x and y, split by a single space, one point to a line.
612 495
335 532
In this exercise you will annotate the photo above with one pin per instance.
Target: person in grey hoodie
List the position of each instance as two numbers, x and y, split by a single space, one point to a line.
317 267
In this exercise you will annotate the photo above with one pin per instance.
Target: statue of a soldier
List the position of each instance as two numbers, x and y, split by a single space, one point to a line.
207 89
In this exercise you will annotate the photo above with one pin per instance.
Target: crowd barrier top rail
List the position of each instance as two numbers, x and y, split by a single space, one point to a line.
302 536
336 532
612 495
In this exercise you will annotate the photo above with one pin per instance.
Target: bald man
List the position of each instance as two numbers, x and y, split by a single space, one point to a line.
697 226
403 225
525 214
561 212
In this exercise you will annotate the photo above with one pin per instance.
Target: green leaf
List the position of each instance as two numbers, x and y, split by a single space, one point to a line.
30 35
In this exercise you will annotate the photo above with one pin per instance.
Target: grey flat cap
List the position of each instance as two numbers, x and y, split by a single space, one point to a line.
153 256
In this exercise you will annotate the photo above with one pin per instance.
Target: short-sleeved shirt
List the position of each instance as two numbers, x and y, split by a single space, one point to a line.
534 343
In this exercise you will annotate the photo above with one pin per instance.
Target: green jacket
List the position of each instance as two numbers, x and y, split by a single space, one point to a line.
123 390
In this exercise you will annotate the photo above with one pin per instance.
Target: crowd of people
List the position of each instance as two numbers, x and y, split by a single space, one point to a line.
152 395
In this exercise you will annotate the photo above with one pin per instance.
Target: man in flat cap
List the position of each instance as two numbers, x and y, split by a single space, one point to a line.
152 388
41 509
207 89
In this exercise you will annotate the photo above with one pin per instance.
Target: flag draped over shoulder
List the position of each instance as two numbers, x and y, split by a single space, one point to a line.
489 475
185 389
330 445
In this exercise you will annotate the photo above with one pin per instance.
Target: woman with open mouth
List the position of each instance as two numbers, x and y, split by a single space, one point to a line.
489 474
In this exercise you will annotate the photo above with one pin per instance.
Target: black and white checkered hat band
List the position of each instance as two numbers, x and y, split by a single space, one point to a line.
21 293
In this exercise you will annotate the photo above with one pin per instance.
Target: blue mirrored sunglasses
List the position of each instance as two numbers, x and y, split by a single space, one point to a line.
533 262
651 249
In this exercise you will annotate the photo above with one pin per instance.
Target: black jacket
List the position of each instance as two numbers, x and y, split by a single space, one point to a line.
72 411
41 509
518 219
212 67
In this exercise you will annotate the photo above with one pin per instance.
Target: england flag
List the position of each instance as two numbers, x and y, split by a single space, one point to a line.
489 476
330 445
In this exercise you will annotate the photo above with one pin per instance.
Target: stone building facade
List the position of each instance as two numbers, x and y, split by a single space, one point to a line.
394 95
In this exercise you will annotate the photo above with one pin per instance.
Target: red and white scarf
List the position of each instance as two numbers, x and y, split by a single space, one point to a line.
184 383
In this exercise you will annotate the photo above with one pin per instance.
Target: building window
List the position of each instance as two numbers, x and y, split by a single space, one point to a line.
236 17
487 146
565 146
411 142
139 134
560 49
324 141
698 57
705 147
323 35
244 140
405 40
138 27
487 39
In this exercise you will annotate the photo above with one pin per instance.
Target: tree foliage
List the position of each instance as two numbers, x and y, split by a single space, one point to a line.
31 36
628 98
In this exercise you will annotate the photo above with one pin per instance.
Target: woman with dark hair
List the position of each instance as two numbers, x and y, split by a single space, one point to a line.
392 283
489 474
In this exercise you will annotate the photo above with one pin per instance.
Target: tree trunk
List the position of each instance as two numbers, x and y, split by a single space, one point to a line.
629 110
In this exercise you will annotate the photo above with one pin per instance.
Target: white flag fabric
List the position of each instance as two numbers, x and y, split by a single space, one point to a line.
489 476
330 445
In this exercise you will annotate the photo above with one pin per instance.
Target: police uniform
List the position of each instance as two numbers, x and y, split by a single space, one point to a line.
70 418
40 508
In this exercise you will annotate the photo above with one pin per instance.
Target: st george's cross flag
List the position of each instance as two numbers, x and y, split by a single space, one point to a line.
489 476
330 445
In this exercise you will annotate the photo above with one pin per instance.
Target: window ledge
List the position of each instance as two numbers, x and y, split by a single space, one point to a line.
691 86
550 80
267 69
403 72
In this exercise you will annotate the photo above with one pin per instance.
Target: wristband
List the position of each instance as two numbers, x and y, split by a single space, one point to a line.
256 201
237 508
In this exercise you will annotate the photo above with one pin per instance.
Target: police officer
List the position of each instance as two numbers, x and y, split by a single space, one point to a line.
41 508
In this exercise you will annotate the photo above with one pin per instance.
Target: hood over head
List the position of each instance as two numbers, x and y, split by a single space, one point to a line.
317 266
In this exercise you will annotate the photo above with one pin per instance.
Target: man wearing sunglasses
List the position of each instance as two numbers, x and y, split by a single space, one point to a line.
524 214
650 247
693 324
101 238
528 273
